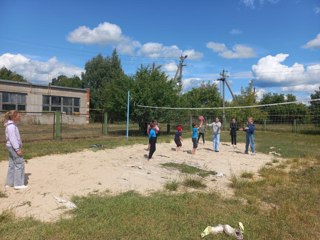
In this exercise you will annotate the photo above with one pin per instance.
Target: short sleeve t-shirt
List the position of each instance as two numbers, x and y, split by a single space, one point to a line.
194 132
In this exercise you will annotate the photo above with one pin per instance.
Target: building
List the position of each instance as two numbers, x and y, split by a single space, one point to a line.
38 102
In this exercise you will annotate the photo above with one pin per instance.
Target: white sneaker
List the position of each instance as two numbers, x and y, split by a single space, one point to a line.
20 187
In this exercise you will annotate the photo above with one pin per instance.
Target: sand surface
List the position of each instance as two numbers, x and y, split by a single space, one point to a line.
56 178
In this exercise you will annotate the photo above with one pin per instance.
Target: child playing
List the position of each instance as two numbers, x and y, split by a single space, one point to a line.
202 131
195 129
152 140
178 138
15 176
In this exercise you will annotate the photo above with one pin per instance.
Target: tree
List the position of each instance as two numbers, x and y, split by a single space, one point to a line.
247 97
152 87
206 96
315 107
108 85
283 112
6 74
64 81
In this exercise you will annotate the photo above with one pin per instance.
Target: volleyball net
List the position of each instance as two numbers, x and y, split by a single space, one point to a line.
298 116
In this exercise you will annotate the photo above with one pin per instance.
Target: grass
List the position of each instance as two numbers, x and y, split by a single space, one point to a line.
184 168
172 186
282 204
193 183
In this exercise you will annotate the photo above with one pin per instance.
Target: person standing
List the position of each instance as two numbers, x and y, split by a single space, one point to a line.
152 140
16 168
178 138
233 132
216 130
195 129
249 129
202 131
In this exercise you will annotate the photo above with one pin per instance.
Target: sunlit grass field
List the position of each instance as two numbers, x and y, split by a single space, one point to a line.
283 203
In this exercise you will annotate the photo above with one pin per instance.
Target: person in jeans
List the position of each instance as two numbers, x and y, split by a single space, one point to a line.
15 176
216 130
249 129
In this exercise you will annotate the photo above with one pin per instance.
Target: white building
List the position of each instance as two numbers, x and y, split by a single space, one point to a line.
37 101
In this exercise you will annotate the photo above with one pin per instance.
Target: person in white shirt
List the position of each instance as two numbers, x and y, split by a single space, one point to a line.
216 130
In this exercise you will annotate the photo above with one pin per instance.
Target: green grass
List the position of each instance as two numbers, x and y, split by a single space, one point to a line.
193 183
184 168
172 186
247 175
282 204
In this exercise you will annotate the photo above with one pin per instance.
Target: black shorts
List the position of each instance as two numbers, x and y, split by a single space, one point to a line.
195 142
178 143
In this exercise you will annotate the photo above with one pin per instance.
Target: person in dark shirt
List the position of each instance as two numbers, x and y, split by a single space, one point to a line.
249 129
152 140
178 138
233 132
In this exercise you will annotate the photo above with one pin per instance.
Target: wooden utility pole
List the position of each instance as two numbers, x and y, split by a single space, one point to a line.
223 80
179 70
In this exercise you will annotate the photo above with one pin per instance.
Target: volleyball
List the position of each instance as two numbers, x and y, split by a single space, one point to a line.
201 118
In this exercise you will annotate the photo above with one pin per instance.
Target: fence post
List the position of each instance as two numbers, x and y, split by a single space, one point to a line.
265 124
191 122
105 123
58 126
294 126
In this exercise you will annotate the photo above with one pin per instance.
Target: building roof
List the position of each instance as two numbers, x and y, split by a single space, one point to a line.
28 84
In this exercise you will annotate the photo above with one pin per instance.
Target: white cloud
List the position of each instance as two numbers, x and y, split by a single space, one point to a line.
238 50
190 83
260 92
310 88
170 67
158 50
235 32
251 3
111 34
192 54
37 71
316 10
314 43
270 72
105 33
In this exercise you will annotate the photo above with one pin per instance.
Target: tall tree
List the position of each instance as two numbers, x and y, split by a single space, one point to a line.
247 97
65 81
151 87
206 96
108 85
283 112
6 74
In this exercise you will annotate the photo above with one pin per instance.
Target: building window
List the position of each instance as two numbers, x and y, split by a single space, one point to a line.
12 101
68 105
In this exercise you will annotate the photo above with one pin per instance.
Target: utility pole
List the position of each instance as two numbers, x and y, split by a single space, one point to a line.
179 70
223 80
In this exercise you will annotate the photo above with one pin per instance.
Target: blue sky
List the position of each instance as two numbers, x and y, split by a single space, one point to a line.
274 42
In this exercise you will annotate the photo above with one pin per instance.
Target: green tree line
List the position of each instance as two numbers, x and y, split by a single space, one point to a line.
150 86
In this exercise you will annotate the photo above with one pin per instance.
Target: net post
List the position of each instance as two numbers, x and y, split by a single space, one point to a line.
128 116
265 125
294 129
105 123
58 126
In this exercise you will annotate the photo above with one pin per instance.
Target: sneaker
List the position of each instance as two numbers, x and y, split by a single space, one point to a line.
20 187
246 153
